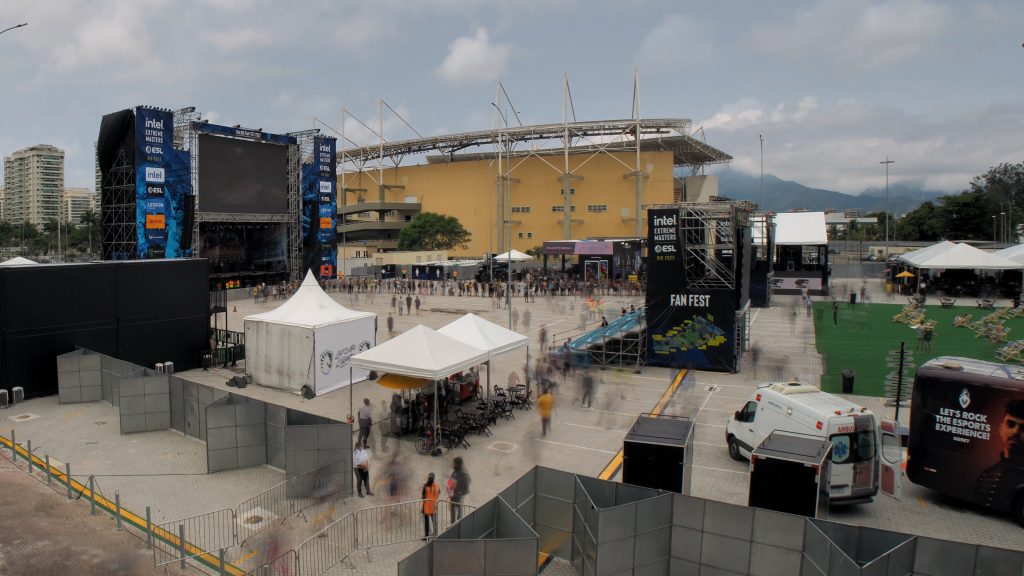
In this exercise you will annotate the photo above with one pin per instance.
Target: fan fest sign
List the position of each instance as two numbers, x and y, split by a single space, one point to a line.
685 327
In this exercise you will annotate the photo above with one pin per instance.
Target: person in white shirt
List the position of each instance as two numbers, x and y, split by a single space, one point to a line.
361 466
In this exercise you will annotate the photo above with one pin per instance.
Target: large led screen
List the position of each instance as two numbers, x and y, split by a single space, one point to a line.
241 176
238 249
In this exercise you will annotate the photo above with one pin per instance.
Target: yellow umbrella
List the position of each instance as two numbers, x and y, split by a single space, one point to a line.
905 274
399 382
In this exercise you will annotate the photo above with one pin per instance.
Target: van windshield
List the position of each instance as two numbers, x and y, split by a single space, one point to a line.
853 447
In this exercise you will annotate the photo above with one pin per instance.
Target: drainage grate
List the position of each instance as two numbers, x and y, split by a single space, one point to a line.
712 388
506 447
256 518
25 417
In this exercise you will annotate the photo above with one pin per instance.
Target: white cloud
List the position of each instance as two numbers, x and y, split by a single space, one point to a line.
107 37
472 59
857 33
239 39
677 41
837 145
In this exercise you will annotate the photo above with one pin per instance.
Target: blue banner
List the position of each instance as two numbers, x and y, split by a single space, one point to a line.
246 133
163 186
320 209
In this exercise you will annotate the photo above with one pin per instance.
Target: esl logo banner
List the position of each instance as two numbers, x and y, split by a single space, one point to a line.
319 209
163 186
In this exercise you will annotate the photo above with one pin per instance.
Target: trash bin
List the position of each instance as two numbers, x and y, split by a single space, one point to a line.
847 381
853 297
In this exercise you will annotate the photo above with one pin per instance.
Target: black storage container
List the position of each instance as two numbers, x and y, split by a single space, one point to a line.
658 453
790 473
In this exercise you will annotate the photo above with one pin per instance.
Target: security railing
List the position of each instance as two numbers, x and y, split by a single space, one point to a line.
289 497
194 537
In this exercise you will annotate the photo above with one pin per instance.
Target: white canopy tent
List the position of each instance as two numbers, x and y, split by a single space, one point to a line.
420 352
514 256
922 254
491 337
307 341
18 261
1015 253
961 257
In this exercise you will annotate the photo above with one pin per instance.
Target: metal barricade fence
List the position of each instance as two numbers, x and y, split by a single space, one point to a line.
289 497
283 565
327 548
192 537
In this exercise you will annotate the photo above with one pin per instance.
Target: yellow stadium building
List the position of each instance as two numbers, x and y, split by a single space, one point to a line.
514 197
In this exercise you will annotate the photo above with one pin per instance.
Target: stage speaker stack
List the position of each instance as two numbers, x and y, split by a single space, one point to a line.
658 453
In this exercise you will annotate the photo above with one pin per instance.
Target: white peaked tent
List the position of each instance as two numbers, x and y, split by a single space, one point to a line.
923 254
18 261
480 333
962 257
514 256
307 341
421 353
1015 253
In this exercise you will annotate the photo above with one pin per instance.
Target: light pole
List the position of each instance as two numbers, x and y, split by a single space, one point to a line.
13 27
507 215
763 207
887 162
1002 224
993 227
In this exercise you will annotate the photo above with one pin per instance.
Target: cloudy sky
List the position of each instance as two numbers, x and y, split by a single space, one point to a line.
834 86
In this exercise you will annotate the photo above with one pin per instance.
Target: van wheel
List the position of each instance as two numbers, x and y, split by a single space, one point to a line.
734 449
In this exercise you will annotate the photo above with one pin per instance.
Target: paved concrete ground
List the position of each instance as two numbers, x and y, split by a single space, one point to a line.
165 470
43 533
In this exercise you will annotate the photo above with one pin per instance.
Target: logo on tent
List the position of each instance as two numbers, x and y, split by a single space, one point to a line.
326 361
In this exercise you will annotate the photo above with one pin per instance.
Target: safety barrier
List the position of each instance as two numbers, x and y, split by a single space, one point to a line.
362 530
289 497
195 536
141 526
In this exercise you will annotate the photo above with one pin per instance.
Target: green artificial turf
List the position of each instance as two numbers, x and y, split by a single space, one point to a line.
866 334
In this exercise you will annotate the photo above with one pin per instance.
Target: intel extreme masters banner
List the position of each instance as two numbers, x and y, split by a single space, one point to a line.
320 210
163 187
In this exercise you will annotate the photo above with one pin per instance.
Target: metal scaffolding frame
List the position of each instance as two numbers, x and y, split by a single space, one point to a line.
117 215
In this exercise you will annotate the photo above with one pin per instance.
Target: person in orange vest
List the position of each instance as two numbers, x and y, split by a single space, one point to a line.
431 492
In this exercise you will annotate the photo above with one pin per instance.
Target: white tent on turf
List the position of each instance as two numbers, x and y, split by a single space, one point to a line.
962 257
1015 253
514 256
307 341
923 254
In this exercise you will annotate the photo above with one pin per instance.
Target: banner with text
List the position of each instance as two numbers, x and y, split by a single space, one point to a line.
320 209
163 187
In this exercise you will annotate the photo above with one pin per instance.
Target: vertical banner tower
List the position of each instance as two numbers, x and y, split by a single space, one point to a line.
319 206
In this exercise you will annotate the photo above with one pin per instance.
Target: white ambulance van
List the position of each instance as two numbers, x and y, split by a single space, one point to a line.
803 409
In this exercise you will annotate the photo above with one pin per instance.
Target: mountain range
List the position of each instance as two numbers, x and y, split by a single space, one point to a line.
782 195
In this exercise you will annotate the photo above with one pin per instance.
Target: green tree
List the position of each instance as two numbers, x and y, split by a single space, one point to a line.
431 231
966 216
921 224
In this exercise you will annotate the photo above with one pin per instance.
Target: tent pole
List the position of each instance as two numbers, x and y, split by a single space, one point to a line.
350 386
487 389
526 371
437 412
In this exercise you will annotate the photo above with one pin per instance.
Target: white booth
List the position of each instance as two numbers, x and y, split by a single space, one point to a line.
307 341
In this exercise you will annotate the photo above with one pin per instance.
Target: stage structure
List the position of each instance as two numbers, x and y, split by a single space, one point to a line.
698 284
762 272
174 185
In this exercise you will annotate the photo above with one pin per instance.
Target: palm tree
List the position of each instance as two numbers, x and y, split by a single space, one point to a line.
91 219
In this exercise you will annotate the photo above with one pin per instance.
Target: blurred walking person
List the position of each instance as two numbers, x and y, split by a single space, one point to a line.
545 404
361 466
458 488
365 421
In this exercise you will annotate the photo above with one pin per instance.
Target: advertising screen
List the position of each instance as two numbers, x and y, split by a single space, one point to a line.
242 248
320 209
967 435
163 187
242 176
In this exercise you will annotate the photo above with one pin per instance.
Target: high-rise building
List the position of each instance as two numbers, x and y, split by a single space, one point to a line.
75 202
33 183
